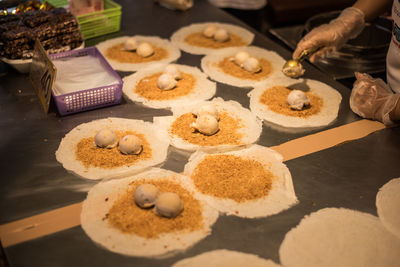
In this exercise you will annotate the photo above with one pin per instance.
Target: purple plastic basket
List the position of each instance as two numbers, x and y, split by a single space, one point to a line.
90 98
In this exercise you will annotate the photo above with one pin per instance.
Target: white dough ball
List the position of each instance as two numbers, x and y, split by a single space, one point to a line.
144 50
252 64
173 71
297 100
207 109
168 205
241 57
106 139
146 195
166 82
221 35
130 44
210 30
130 144
206 124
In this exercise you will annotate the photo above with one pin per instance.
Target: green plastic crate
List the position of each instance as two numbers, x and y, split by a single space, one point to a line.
97 23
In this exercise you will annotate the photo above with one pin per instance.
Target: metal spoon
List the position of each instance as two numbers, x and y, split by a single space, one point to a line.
293 67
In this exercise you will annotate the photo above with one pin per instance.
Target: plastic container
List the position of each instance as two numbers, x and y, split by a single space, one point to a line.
88 99
97 23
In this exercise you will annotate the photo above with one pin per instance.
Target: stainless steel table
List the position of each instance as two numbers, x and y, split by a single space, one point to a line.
33 182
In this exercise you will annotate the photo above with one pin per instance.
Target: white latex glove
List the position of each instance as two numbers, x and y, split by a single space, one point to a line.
372 99
332 36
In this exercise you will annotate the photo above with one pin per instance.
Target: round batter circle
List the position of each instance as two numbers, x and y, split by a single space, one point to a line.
331 102
173 52
95 208
279 198
339 237
388 203
157 139
203 89
250 132
209 65
179 36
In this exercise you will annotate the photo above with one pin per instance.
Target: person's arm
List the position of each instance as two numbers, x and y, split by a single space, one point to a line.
332 36
373 8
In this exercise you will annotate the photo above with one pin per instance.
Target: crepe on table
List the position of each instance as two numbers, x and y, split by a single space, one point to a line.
339 237
220 67
238 127
225 258
193 87
251 182
268 102
202 45
155 148
113 50
109 201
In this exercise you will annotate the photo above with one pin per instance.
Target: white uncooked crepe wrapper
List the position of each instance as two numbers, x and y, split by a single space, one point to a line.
203 89
157 140
280 197
173 52
101 232
251 132
179 36
225 258
209 65
334 237
91 74
388 205
328 113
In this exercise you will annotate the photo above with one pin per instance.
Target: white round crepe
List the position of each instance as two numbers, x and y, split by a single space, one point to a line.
173 52
203 88
157 140
328 113
250 133
209 65
388 205
225 258
339 237
179 36
100 231
280 197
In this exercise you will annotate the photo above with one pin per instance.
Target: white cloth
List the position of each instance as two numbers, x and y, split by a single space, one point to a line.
239 4
393 56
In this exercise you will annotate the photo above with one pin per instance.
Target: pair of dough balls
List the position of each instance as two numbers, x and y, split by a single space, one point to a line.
207 120
168 79
143 49
128 145
245 61
218 34
166 204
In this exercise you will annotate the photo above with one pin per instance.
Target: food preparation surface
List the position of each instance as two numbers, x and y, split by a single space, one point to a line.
33 182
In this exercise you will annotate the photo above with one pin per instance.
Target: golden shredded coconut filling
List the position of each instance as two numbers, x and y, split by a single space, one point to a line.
108 158
198 39
233 177
126 216
147 87
117 53
276 96
226 135
231 68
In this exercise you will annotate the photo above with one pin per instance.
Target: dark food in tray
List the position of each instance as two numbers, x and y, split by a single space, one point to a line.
57 30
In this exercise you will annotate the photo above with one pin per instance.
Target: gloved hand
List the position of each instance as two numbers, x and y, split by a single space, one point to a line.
372 99
332 36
